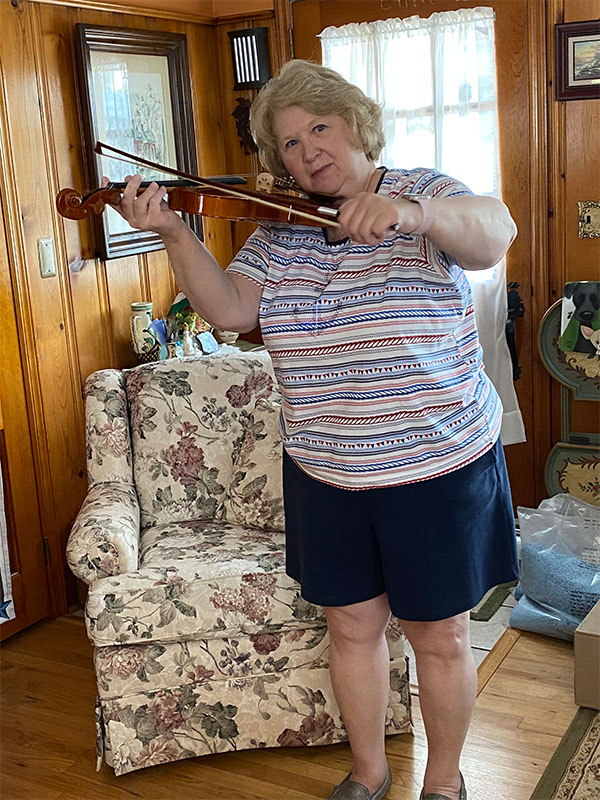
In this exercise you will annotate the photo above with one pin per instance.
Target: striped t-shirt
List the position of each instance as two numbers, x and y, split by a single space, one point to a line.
375 349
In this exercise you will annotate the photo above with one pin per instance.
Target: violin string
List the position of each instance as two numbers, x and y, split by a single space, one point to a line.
277 206
288 183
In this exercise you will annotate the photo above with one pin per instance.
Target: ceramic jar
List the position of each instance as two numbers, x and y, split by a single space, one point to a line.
143 340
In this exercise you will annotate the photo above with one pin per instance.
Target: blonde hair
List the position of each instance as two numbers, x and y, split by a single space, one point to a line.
321 91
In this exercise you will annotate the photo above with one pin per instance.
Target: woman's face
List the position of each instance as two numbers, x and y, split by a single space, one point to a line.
319 153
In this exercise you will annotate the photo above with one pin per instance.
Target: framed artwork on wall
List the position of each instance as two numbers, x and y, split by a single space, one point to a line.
577 60
135 95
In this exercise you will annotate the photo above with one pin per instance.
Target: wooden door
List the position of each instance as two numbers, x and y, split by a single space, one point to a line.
25 540
518 23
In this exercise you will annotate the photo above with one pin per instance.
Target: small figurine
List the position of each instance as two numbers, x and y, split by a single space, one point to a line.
188 344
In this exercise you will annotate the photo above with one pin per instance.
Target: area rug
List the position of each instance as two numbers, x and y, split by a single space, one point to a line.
491 602
574 770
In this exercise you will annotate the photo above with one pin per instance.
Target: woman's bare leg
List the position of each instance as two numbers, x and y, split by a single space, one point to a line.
447 690
359 665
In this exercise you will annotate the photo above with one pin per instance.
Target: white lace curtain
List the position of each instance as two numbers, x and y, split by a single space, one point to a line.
435 80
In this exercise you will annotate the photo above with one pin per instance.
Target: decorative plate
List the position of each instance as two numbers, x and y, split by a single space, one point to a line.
578 371
575 469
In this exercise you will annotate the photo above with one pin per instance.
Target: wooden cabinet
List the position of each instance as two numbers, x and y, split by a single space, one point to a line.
26 545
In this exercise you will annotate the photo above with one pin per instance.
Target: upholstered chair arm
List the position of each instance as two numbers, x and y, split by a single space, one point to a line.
107 429
104 539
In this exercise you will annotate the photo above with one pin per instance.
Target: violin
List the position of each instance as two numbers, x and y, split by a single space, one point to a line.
206 196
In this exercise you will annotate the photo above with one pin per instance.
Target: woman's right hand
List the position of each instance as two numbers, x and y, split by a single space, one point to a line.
147 211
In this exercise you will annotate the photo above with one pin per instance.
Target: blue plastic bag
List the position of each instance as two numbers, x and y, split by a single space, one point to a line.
560 565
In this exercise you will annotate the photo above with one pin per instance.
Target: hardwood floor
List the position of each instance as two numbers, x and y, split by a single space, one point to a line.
525 704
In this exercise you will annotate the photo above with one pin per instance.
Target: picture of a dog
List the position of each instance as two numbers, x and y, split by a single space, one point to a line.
585 296
593 337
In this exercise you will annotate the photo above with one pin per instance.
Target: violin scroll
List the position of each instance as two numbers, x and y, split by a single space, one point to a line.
72 205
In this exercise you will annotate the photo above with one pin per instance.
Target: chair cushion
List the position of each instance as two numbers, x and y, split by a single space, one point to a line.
200 579
187 420
124 669
254 496
212 548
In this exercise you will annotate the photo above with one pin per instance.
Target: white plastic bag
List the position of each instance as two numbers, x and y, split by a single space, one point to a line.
560 565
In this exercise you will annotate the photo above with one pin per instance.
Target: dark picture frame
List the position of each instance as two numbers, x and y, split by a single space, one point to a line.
134 88
577 59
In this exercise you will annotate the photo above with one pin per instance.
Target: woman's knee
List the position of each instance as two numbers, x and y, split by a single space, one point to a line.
445 638
359 623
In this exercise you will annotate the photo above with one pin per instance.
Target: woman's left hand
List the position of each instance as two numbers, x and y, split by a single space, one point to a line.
369 218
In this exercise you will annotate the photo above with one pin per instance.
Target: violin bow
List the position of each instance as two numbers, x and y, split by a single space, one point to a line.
244 195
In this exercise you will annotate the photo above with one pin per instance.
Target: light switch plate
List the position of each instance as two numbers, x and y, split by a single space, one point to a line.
589 219
46 257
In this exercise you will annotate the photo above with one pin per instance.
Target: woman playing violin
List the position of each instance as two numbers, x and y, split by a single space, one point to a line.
396 493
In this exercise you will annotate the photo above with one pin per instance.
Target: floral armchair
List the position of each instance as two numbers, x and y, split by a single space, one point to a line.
202 643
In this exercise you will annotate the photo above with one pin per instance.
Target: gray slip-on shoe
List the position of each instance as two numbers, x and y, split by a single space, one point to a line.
351 790
435 796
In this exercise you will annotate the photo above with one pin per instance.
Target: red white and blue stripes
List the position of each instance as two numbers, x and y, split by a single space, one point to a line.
375 349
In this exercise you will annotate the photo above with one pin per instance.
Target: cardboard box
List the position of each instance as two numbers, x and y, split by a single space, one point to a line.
587 660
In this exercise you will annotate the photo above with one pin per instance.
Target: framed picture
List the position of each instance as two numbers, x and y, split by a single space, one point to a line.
577 46
135 95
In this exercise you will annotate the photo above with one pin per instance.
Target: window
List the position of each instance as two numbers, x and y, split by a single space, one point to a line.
435 80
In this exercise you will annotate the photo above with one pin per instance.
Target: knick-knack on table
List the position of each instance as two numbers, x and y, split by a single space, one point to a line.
143 340
188 344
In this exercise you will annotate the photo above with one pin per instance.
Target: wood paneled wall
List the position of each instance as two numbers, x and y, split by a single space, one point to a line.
210 9
574 173
77 322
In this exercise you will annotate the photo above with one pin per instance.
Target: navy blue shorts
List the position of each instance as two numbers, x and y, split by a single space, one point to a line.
434 546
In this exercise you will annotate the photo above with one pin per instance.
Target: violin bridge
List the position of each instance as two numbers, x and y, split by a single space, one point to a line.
265 182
